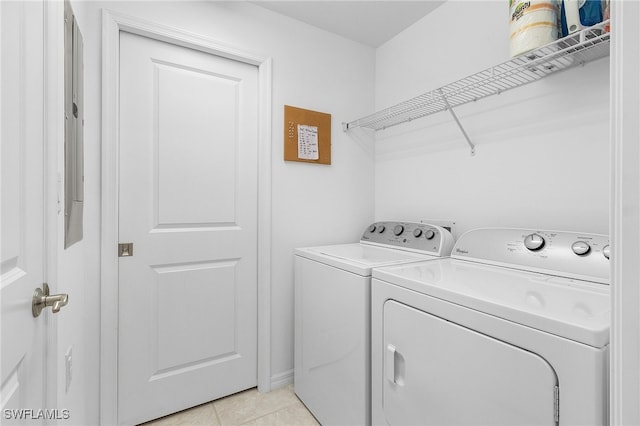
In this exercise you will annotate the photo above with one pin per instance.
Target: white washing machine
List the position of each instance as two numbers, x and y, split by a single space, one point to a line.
513 329
332 315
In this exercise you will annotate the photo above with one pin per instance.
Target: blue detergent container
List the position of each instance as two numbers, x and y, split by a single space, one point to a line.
578 14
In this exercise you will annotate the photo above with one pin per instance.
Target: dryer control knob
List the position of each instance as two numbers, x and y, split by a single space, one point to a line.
417 232
534 242
381 229
606 250
580 248
429 234
372 228
398 230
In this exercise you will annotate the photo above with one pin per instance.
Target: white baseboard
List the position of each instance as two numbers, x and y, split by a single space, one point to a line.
281 379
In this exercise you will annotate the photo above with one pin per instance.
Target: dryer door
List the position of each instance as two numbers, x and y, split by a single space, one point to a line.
439 373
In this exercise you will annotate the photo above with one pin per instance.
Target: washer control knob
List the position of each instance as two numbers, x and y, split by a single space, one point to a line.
417 232
606 250
534 242
381 229
580 248
372 228
429 234
398 230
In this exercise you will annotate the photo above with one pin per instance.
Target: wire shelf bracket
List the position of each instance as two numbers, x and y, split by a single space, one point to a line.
455 117
574 50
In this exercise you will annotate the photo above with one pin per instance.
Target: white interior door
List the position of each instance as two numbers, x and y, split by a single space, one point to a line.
188 203
22 250
441 374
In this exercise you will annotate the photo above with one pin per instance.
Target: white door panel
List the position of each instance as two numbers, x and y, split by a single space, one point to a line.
202 110
439 373
194 324
188 203
22 227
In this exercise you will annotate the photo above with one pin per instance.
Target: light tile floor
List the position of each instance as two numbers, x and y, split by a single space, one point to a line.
251 408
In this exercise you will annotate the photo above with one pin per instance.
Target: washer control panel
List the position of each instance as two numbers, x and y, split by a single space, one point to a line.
418 237
566 254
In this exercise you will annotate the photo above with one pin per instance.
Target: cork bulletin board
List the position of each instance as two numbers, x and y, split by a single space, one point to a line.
307 136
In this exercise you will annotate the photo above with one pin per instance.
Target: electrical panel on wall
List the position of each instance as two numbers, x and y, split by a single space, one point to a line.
73 129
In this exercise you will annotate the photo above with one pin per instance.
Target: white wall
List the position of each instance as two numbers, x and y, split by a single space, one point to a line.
68 270
312 204
542 150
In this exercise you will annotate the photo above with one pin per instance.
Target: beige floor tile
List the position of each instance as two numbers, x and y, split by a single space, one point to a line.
249 405
250 408
198 416
293 415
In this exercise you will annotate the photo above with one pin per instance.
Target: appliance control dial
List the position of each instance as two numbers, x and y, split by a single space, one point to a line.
580 248
381 229
372 228
534 242
398 230
606 251
417 232
429 234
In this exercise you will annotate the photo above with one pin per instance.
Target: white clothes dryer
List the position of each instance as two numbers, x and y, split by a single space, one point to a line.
513 329
332 349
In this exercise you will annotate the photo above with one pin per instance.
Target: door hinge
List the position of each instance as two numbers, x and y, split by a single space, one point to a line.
556 404
125 249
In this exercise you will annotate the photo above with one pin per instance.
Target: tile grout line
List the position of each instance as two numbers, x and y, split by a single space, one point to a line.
295 402
251 419
267 414
215 412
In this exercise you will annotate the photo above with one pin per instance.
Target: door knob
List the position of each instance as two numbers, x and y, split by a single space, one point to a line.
42 299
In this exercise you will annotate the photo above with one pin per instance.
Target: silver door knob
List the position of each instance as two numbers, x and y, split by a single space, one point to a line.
42 299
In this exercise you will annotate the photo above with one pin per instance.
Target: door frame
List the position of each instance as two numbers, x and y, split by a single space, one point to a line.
112 24
624 214
53 68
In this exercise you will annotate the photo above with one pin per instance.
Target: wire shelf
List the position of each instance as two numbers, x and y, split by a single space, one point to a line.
576 49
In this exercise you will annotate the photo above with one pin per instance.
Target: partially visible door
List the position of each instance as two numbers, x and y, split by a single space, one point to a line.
188 204
22 253
439 373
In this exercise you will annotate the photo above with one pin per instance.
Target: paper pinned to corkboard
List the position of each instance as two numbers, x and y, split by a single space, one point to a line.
307 135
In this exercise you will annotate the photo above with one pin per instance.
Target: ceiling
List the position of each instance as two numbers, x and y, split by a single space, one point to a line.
369 22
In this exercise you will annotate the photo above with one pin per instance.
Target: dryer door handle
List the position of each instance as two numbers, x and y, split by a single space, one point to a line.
390 363
394 366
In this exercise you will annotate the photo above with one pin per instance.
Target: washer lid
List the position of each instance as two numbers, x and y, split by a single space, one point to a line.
359 258
570 308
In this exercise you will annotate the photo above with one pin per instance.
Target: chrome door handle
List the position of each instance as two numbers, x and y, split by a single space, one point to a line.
56 301
42 299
